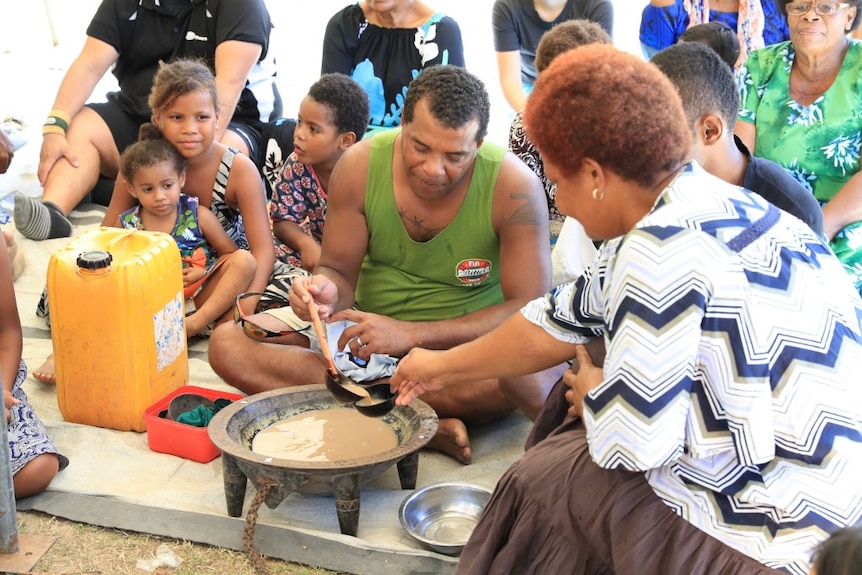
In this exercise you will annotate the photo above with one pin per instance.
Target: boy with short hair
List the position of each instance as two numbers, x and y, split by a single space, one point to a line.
332 117
711 102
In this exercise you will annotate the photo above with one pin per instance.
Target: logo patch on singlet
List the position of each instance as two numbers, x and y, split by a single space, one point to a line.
473 272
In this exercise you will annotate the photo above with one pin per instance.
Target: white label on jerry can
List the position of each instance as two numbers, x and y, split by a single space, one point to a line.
170 332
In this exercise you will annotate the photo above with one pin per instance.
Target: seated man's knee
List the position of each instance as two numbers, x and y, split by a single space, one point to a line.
530 391
222 344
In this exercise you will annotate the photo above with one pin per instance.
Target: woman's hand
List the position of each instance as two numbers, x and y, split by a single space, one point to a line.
587 377
415 375
8 401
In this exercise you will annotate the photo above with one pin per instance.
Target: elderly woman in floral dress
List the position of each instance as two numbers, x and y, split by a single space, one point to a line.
800 107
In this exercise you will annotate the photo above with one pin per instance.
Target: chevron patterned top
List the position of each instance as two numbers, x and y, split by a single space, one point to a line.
732 341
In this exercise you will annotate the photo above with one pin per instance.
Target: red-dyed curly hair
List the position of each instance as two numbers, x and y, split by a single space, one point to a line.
598 102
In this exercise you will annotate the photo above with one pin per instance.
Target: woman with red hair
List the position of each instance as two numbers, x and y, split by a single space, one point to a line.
723 431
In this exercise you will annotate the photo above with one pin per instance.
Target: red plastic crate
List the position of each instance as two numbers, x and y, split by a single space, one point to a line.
188 441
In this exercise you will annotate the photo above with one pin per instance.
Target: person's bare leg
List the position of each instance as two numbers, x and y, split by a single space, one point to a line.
528 392
16 257
483 402
35 477
219 293
460 406
92 143
253 366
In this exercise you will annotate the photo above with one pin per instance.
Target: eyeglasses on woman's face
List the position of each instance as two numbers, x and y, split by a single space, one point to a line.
820 8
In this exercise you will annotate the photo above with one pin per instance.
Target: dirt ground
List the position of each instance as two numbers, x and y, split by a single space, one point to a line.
81 549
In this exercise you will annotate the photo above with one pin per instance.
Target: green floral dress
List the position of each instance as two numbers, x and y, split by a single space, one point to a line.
818 144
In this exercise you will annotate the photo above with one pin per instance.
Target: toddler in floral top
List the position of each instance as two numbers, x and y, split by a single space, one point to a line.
214 270
332 117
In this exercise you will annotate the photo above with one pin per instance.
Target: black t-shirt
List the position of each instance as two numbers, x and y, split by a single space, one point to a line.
385 60
517 26
144 33
775 184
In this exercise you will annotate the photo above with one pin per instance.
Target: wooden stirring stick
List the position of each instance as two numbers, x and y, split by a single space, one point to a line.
324 341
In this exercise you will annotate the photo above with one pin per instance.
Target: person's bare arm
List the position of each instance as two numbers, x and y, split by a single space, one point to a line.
213 233
77 85
509 70
121 200
345 237
517 347
234 61
11 338
245 192
296 239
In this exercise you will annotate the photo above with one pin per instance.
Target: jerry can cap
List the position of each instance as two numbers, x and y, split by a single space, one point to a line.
94 260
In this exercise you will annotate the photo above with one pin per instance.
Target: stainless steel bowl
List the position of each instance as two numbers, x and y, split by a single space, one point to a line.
442 516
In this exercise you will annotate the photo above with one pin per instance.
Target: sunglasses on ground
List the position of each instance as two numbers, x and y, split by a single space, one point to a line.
250 328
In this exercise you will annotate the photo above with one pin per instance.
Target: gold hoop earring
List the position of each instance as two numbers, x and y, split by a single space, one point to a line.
597 196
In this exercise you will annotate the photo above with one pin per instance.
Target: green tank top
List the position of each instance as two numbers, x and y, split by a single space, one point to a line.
454 273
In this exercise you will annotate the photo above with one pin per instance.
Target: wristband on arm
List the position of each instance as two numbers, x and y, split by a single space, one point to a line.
57 122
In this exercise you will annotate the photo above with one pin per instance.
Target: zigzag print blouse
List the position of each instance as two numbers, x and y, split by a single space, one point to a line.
732 371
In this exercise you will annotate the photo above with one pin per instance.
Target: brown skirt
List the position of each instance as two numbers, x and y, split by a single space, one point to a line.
556 511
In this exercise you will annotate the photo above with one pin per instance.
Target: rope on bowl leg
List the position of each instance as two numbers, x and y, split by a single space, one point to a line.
256 559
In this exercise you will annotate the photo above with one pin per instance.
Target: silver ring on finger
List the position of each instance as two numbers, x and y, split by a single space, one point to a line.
359 342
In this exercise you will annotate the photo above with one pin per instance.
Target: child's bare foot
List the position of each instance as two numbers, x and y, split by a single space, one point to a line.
46 372
451 438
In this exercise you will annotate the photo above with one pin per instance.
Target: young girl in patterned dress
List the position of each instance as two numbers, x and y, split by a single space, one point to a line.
214 270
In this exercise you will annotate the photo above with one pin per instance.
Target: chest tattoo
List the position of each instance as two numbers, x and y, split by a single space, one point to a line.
417 228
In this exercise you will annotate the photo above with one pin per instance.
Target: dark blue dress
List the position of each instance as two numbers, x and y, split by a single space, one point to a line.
662 27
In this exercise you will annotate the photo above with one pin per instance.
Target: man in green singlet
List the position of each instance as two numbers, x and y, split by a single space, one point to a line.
433 237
